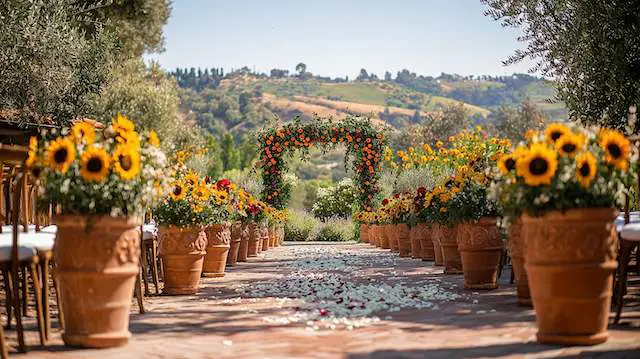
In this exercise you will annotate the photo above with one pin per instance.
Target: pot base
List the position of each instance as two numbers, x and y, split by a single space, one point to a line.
481 286
114 339
453 271
525 303
179 291
573 339
213 275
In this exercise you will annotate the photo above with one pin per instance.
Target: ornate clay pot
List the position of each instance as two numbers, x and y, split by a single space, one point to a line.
182 251
480 248
264 231
404 242
272 236
570 258
218 246
437 248
234 249
243 250
515 244
96 268
424 233
255 239
280 234
416 244
364 233
450 253
373 234
384 238
391 234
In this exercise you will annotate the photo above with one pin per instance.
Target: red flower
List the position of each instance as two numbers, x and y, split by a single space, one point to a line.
223 184
385 202
422 191
397 195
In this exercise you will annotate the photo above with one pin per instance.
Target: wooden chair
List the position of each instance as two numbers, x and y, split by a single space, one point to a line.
16 256
629 240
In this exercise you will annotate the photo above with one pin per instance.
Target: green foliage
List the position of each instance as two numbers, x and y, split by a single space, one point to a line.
471 204
304 195
590 47
300 226
513 123
335 230
49 67
336 201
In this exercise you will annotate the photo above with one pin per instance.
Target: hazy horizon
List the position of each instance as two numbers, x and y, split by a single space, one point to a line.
337 38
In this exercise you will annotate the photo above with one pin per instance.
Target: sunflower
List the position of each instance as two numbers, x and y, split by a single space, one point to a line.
200 193
197 208
60 154
507 163
83 131
616 148
121 124
586 168
556 130
153 139
94 164
126 162
178 191
191 179
538 165
570 144
130 138
33 152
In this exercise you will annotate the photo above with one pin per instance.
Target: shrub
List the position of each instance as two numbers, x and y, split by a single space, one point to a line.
335 230
300 226
335 201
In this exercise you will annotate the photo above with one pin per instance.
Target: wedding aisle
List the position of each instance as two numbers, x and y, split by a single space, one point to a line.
339 301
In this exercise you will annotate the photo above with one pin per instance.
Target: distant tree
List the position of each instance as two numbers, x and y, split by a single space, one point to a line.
244 99
278 73
591 48
216 166
387 76
363 76
301 68
513 123
442 124
229 153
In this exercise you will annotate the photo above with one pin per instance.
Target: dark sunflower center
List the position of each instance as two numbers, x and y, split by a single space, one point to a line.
61 154
177 190
125 162
614 150
94 164
555 135
538 166
585 169
510 164
569 147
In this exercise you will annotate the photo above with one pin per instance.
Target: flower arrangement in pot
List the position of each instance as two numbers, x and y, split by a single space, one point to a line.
421 229
103 181
567 182
276 220
182 217
362 219
386 225
236 217
476 214
256 216
402 206
219 206
436 211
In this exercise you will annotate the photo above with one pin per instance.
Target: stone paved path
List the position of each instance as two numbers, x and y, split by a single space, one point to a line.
341 301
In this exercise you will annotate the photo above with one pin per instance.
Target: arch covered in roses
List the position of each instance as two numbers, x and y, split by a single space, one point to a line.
364 143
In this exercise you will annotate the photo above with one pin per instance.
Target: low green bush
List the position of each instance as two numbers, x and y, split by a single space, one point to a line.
300 226
335 230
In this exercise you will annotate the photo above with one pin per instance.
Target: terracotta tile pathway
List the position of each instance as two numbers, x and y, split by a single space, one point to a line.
357 302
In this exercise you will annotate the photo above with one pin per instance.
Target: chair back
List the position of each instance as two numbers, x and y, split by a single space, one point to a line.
15 157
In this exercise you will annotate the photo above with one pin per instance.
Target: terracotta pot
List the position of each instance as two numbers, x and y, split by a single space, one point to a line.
364 233
182 251
390 234
264 231
437 248
416 244
373 234
243 250
515 244
255 239
384 239
280 233
404 242
96 269
424 233
234 249
218 246
272 236
480 248
450 253
570 258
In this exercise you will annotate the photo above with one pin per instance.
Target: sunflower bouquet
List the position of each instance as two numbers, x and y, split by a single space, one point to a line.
565 167
114 171
188 203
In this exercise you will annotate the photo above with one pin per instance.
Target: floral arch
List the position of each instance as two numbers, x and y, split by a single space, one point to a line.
364 143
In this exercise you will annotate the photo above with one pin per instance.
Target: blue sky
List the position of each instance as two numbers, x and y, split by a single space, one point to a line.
339 37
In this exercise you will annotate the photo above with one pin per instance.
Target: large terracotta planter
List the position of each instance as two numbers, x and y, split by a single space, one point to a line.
264 231
570 259
272 236
424 234
416 243
390 234
404 242
218 246
280 233
364 233
255 239
480 248
437 248
384 238
96 269
373 235
516 247
182 251
234 244
243 250
450 253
